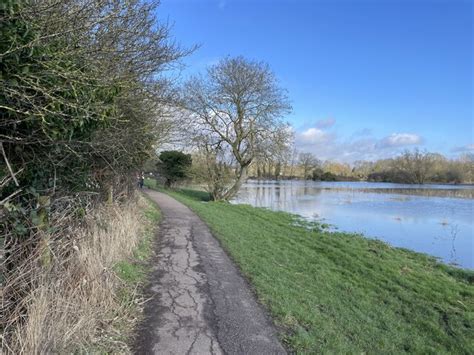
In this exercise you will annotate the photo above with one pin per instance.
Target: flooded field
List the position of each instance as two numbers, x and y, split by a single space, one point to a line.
433 219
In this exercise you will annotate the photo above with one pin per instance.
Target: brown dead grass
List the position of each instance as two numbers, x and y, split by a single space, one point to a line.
72 305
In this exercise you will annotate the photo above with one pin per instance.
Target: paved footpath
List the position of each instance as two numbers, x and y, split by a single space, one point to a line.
200 304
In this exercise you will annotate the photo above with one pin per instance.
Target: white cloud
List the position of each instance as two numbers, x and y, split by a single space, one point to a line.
313 135
328 146
400 140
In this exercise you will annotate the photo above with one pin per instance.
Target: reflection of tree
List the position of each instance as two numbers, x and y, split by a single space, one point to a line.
455 193
281 195
421 220
454 233
278 193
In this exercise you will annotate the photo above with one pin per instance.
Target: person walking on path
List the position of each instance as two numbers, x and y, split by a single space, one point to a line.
141 180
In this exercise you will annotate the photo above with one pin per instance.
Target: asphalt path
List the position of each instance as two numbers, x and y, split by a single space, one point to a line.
199 302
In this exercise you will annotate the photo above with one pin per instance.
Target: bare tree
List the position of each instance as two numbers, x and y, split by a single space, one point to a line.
274 156
237 108
417 165
308 162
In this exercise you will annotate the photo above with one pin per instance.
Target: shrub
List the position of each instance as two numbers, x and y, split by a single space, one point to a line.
174 166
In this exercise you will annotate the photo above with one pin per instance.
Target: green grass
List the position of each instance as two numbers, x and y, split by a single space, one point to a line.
151 183
343 293
133 273
134 270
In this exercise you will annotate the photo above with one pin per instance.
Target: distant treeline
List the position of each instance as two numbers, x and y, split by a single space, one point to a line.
410 167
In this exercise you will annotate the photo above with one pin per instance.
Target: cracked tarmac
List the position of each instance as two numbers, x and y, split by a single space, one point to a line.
199 303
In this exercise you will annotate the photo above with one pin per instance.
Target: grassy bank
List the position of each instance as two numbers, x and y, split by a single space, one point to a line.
342 293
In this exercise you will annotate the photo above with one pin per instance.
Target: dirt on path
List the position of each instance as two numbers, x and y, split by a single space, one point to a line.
200 304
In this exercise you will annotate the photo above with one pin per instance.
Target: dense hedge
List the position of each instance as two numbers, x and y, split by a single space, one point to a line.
82 101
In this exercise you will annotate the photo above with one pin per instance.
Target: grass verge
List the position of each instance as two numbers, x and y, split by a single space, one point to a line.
133 272
340 292
88 299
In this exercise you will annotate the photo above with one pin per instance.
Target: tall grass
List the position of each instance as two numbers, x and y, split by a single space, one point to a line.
74 304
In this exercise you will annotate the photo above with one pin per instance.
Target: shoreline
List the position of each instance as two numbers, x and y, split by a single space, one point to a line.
428 184
321 288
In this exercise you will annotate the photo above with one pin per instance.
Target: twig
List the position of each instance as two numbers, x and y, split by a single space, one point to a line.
8 165
9 197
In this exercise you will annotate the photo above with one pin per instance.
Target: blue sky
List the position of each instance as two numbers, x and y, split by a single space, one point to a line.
366 78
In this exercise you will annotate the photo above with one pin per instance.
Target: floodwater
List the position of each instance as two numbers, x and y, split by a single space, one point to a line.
433 219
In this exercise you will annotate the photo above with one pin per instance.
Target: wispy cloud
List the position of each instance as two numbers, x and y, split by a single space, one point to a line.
400 140
327 123
323 123
468 148
361 145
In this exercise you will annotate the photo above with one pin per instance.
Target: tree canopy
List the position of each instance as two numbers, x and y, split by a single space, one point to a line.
174 165
237 110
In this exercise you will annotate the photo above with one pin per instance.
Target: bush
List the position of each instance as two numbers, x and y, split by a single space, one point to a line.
317 174
327 176
174 166
79 115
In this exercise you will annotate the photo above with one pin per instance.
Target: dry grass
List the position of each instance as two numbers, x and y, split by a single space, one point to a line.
72 305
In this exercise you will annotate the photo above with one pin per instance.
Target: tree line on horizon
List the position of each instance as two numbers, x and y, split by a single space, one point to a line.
410 167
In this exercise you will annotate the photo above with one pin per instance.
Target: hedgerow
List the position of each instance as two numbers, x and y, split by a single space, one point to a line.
83 97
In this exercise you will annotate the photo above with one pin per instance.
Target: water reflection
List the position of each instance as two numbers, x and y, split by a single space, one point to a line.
435 219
